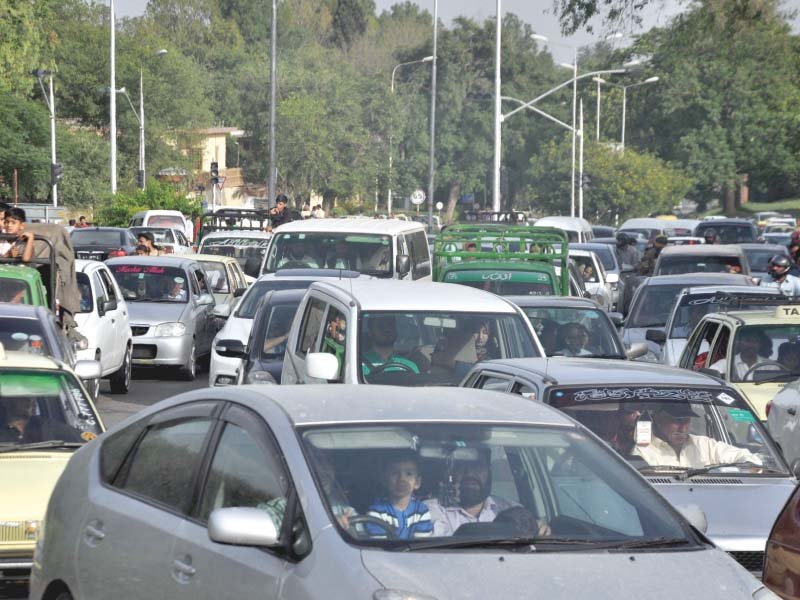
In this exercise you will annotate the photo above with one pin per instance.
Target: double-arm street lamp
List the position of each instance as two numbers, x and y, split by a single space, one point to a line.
427 59
624 89
140 176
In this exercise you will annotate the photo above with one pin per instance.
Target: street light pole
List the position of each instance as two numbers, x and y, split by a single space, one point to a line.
598 80
273 74
113 103
624 108
574 106
624 89
51 106
498 116
580 164
432 159
141 127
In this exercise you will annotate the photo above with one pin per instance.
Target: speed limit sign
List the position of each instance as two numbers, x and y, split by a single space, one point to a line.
417 197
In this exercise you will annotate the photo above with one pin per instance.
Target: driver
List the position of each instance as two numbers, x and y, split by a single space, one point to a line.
296 253
24 426
789 356
753 346
673 445
380 353
177 291
576 338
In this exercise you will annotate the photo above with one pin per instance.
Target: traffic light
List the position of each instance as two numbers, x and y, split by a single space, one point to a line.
140 179
214 173
56 173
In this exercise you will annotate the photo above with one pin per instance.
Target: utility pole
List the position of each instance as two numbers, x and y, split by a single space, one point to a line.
50 100
273 88
498 116
141 127
580 165
598 108
432 158
574 134
113 103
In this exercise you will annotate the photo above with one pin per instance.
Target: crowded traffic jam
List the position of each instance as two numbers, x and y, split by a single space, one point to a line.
502 404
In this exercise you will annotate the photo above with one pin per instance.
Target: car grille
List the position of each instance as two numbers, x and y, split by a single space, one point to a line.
139 329
144 351
15 531
752 561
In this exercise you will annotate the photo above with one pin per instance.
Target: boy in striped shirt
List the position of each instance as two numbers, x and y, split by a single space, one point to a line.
406 515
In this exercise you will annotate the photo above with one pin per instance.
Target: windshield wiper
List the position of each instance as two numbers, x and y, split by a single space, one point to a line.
659 468
658 542
39 446
778 375
500 542
708 468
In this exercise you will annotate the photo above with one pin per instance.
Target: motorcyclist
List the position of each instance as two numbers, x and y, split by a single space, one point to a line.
778 269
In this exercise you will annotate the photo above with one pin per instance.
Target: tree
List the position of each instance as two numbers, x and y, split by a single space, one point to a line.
25 37
350 19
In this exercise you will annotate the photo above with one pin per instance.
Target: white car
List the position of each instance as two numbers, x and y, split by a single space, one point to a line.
171 240
224 370
103 320
595 277
783 419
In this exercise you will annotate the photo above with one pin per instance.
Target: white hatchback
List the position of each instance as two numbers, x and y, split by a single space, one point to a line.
103 320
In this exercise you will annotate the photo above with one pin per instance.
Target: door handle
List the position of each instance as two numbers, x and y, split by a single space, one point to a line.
93 534
113 321
791 410
181 570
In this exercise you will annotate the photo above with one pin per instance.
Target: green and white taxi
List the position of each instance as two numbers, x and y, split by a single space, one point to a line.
757 352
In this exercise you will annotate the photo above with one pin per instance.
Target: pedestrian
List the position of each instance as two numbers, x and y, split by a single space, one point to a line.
779 268
626 254
318 212
147 240
305 212
71 225
279 214
648 263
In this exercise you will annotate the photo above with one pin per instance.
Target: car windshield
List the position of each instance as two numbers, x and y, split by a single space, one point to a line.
15 291
575 331
26 335
505 283
692 308
217 276
653 306
276 330
408 486
89 237
151 283
243 249
729 233
165 221
778 238
43 406
160 236
763 352
365 253
674 428
759 259
249 303
677 265
434 348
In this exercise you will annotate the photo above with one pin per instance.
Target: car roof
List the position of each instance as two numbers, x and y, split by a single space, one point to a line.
703 250
393 294
376 226
755 317
312 274
290 296
754 290
569 371
654 223
82 265
26 360
214 258
166 261
698 279
159 212
581 252
225 233
778 248
552 302
316 404
574 223
19 271
726 221
96 228
593 246
21 311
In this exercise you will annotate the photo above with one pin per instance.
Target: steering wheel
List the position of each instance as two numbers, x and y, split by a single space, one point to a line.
377 370
758 365
366 519
295 264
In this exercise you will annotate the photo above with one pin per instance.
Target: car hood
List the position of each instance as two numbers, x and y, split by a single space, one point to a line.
479 573
759 395
740 514
153 313
235 329
34 475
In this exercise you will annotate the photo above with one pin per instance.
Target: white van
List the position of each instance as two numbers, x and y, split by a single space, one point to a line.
386 248
578 229
172 219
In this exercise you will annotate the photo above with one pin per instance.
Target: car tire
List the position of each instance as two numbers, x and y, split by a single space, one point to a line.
64 596
189 370
121 380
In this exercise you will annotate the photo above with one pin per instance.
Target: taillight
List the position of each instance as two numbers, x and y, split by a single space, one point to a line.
117 252
769 407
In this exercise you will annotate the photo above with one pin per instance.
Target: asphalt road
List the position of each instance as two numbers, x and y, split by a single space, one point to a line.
149 385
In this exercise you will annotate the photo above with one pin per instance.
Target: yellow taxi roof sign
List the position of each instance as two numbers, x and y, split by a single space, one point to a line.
784 312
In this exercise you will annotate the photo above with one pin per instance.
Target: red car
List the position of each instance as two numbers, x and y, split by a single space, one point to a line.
782 559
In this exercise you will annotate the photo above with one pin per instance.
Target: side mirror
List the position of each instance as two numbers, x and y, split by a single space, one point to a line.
223 311
205 299
239 292
756 280
637 350
616 318
321 365
242 527
109 305
712 373
691 512
403 264
87 370
230 349
656 335
612 277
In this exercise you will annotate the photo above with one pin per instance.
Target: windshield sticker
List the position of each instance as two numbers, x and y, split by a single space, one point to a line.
642 394
726 398
742 415
139 269
644 433
85 414
497 276
239 242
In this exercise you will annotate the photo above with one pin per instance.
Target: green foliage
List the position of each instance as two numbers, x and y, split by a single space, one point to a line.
25 37
117 210
350 18
25 135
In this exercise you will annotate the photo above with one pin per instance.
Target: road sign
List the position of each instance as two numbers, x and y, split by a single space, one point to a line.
439 206
417 197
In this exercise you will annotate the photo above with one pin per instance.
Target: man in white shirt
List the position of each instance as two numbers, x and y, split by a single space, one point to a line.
576 337
673 445
779 267
753 347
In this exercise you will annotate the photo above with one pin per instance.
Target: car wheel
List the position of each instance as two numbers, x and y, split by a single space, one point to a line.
64 596
121 380
189 370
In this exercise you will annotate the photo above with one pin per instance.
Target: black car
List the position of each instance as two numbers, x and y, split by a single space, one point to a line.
100 243
730 231
603 231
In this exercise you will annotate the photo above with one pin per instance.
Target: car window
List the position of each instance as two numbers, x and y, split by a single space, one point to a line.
589 330
696 353
108 286
309 330
334 339
16 291
587 267
652 305
242 474
277 326
493 383
87 296
165 462
526 390
149 283
217 277
26 335
420 254
201 281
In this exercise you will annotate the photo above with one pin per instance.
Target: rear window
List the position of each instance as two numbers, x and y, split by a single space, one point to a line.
729 233
15 291
505 283
25 335
677 265
83 237
165 221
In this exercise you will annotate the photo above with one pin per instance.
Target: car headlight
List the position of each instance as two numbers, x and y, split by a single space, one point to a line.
260 377
765 594
400 595
170 330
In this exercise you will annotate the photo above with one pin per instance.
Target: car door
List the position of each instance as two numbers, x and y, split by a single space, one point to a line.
102 330
114 323
246 470
696 352
138 496
122 328
307 340
204 319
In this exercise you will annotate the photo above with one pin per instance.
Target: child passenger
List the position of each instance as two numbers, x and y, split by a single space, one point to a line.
407 516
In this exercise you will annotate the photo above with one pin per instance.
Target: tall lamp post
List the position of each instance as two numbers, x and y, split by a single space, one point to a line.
432 158
498 111
273 93
391 127
51 105
140 176
113 102
624 89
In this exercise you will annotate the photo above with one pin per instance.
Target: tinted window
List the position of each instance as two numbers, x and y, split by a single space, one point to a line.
759 259
90 237
249 303
148 283
653 305
310 328
166 460
16 291
116 449
85 288
420 256
243 475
